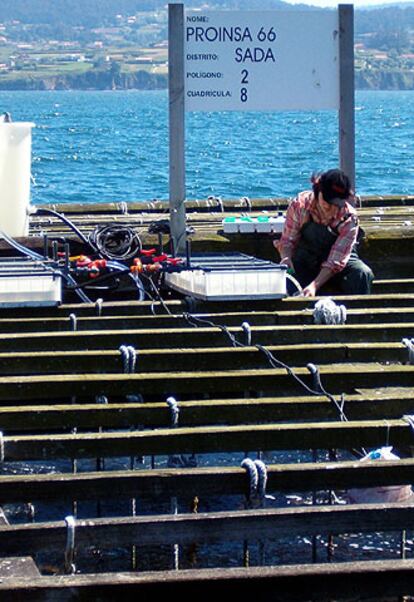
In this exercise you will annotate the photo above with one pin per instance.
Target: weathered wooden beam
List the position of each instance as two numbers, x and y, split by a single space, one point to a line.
139 308
325 435
362 316
376 300
375 579
402 285
337 378
104 308
143 206
206 358
203 412
189 482
204 337
208 527
17 568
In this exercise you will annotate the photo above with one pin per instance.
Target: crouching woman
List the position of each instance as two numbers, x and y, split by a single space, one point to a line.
320 237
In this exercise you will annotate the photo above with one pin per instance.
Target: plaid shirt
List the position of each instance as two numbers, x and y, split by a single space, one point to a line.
344 222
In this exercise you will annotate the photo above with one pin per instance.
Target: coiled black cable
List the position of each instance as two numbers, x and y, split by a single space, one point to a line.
115 241
111 241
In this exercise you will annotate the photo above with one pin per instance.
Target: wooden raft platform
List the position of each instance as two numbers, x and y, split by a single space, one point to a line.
83 435
388 222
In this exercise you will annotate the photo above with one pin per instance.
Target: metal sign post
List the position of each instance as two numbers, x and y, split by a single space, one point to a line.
346 91
176 125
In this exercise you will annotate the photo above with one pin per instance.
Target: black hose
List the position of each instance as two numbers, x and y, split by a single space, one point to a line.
115 241
44 211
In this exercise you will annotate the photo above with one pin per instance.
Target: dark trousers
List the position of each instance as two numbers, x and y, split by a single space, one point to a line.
355 279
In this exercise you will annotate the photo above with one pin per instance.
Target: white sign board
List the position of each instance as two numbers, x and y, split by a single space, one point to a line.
259 61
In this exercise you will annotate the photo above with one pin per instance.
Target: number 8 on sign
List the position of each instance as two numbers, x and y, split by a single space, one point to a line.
244 80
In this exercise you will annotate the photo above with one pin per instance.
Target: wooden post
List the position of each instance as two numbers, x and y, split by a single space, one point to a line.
346 91
176 125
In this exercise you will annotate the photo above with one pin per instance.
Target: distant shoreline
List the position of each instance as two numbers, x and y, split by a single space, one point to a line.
96 80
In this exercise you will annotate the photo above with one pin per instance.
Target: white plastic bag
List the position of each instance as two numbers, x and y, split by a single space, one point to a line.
381 495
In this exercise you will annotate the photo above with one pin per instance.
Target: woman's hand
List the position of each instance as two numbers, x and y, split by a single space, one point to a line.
310 290
324 275
287 261
285 256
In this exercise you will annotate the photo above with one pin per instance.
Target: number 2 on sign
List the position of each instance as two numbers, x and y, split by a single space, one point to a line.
244 80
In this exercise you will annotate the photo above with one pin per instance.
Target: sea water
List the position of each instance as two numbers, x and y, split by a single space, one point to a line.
113 146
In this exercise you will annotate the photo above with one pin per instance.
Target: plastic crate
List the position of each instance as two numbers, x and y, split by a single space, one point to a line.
227 277
21 286
247 224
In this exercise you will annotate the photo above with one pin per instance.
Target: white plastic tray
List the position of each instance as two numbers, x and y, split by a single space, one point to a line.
219 281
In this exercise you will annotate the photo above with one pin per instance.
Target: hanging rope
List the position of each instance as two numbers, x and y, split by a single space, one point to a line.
98 307
132 359
174 460
246 201
174 409
125 358
129 358
262 482
123 207
30 511
178 460
101 399
248 333
217 200
409 343
73 322
326 311
251 470
316 377
70 567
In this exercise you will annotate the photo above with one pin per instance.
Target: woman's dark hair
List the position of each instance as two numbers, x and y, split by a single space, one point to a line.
333 184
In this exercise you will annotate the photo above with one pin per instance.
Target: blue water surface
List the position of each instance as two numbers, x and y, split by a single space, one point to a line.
113 146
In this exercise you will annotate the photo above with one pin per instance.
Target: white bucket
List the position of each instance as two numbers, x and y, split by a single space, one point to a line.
15 168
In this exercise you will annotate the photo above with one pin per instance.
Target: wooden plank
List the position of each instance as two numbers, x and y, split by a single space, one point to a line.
279 583
208 527
324 435
405 285
113 415
257 318
105 308
144 206
17 568
337 378
203 337
390 299
189 482
206 358
138 308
